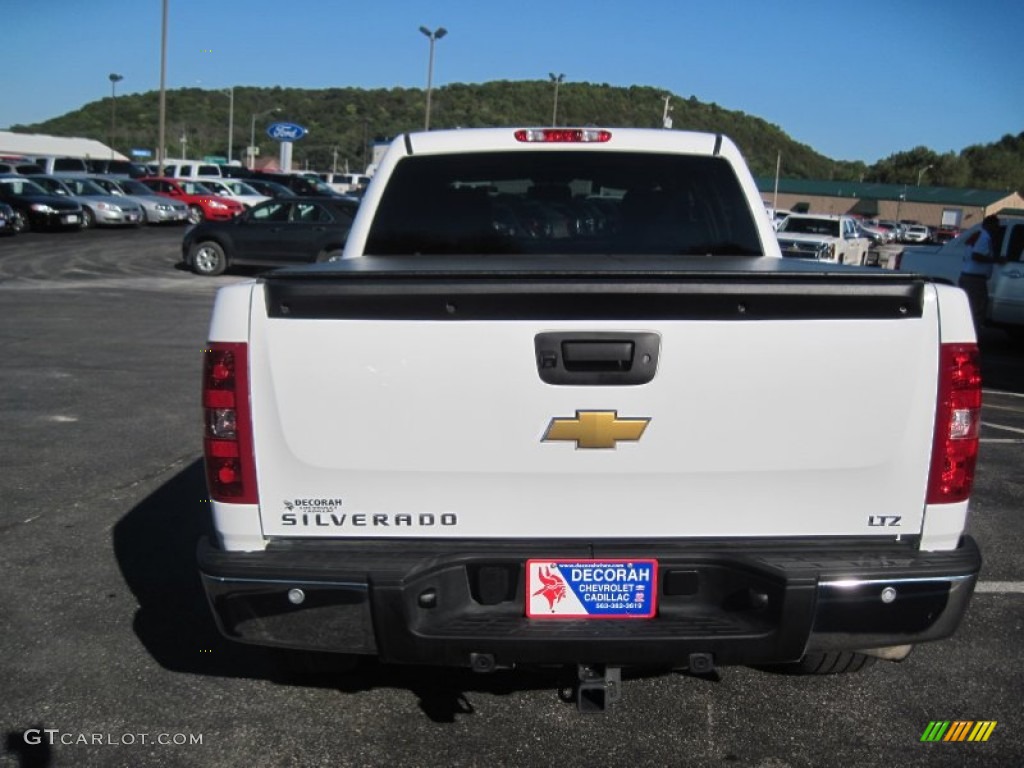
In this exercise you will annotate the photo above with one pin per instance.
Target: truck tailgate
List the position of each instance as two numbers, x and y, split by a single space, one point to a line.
405 404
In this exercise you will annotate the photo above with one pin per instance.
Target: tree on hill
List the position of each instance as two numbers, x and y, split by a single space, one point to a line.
343 122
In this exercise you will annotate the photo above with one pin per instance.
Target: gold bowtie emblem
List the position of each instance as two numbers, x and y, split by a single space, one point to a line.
595 429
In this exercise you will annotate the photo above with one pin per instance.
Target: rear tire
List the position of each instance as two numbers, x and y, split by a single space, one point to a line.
831 663
19 223
207 259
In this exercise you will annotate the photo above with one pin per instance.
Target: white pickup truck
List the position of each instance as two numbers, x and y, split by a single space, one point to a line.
563 403
1006 286
823 237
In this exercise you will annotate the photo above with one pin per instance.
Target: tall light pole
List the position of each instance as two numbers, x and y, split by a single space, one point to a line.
230 93
251 151
557 80
114 80
434 36
161 131
921 173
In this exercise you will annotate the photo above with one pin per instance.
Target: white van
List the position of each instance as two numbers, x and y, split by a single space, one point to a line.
191 169
345 183
61 165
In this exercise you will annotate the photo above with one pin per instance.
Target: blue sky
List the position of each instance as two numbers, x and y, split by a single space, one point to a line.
855 81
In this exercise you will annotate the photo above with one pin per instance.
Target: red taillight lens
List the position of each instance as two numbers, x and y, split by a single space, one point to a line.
563 135
957 424
227 425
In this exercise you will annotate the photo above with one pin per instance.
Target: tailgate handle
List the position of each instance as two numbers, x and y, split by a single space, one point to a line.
581 358
597 355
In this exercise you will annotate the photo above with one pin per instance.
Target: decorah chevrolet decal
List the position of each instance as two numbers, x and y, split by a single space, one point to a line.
595 429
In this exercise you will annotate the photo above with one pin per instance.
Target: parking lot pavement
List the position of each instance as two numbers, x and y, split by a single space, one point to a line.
109 655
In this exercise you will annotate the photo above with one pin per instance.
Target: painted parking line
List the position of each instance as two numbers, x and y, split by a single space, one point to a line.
1010 408
1000 587
1000 392
1015 430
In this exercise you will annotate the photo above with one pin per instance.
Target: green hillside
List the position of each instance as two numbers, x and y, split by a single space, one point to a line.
343 123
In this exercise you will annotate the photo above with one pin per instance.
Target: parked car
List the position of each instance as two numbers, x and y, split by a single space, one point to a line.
7 220
917 233
944 234
99 208
202 204
35 208
275 233
270 188
310 186
23 167
893 226
874 234
156 209
235 189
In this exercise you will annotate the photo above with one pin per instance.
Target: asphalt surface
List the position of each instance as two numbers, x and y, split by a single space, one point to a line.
108 648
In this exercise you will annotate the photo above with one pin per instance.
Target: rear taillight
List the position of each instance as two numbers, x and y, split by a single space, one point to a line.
957 424
227 426
563 135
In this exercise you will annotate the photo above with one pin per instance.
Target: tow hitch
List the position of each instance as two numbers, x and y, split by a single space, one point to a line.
597 688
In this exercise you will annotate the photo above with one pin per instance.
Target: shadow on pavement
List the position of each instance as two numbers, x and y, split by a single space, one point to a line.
1002 361
30 747
155 545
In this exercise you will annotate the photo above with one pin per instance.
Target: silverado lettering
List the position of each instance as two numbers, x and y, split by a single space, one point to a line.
499 282
424 519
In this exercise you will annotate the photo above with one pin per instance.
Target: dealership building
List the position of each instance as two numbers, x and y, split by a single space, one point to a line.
932 206
41 145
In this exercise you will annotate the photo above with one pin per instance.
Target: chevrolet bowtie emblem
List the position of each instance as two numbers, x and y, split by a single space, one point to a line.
595 429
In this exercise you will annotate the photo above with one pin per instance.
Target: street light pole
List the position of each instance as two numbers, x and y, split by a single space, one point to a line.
921 173
557 80
114 80
162 129
434 36
251 151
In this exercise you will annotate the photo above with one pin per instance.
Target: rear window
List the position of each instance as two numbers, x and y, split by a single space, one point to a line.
799 226
73 164
574 201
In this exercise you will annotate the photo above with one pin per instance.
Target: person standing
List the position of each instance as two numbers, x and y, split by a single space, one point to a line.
977 268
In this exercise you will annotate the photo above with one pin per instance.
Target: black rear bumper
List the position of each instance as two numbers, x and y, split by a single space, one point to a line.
447 601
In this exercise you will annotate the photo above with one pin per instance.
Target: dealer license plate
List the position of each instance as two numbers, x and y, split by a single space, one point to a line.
591 589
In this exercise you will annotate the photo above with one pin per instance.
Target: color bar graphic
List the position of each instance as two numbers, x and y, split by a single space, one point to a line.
959 730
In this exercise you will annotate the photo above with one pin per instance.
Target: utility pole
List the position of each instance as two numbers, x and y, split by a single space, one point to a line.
666 121
230 93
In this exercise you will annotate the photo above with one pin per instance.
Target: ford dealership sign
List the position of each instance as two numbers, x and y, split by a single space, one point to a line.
286 131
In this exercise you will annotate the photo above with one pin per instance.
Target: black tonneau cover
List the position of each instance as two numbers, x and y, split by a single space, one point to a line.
601 287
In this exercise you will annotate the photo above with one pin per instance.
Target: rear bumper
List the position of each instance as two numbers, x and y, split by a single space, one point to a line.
444 602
